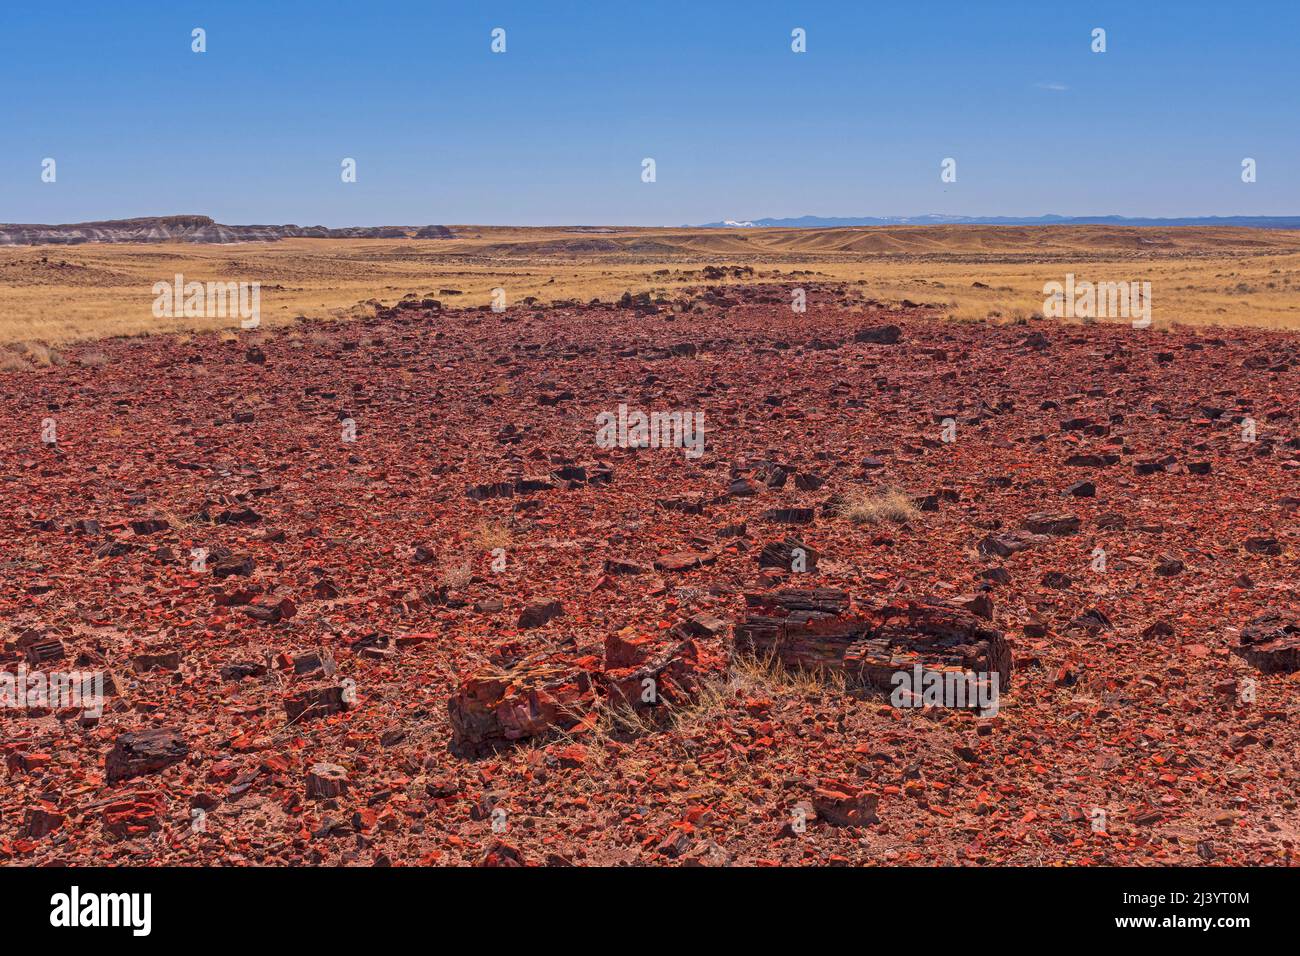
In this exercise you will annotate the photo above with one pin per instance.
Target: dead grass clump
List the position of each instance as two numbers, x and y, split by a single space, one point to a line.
879 507
492 535
751 676
455 576
748 673
36 355
40 355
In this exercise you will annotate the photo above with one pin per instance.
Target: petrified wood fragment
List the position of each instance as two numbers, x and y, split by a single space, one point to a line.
145 751
814 630
318 701
532 698
1271 642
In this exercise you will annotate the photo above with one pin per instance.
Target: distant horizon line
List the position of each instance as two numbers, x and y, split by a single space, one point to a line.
929 219
790 222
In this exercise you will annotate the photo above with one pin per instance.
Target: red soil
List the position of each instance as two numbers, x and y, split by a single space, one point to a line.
361 573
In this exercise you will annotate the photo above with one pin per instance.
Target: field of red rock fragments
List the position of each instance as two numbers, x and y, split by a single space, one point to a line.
431 644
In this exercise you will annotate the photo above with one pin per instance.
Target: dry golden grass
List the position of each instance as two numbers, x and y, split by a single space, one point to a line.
746 677
879 507
492 535
63 294
12 362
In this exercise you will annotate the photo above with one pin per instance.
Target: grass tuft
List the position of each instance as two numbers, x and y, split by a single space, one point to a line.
879 507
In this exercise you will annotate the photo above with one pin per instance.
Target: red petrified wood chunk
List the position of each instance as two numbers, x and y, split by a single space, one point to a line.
316 701
843 805
815 630
145 751
534 697
1271 642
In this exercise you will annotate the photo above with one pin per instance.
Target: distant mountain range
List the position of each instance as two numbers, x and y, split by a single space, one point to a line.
205 229
830 222
197 229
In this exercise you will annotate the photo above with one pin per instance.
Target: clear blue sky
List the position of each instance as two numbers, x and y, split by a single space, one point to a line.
554 130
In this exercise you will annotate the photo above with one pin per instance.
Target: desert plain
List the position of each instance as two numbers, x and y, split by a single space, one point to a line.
1200 275
363 585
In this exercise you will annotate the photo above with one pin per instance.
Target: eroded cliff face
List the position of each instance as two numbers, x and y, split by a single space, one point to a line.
197 229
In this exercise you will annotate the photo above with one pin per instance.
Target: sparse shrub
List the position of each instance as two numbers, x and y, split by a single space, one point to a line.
966 313
749 673
879 507
491 535
12 362
456 575
749 676
39 354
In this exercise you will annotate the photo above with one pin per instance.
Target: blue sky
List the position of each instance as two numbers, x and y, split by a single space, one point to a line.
554 130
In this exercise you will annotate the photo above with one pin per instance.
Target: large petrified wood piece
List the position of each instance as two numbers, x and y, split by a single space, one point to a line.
817 629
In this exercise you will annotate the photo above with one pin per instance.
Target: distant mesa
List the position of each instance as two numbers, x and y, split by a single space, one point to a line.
198 229
433 232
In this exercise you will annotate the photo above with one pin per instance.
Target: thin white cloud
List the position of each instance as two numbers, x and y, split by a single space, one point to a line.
1054 87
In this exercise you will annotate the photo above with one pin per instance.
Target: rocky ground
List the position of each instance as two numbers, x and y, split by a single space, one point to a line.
371 593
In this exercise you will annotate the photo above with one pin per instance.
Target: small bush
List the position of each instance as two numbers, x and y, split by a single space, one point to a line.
879 507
